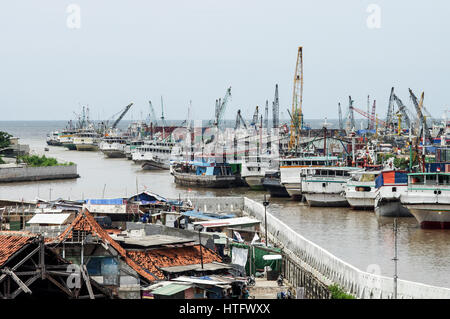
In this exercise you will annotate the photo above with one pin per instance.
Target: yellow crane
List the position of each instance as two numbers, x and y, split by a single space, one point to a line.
297 99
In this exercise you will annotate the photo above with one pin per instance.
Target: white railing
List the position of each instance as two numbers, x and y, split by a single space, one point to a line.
332 269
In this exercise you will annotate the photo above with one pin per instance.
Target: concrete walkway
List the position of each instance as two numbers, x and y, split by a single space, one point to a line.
266 289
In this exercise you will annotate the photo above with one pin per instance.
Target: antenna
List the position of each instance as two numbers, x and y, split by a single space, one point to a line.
395 259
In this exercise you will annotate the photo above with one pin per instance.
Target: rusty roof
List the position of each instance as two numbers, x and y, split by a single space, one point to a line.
155 259
11 242
85 221
148 263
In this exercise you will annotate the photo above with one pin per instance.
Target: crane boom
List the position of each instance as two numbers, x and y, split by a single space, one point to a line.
239 120
153 117
276 109
297 99
220 107
255 117
418 106
369 116
390 111
351 114
402 109
341 125
121 115
373 116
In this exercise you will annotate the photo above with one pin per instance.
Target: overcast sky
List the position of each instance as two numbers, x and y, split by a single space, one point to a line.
135 51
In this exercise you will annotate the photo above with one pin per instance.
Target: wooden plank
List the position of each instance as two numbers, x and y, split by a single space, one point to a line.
60 286
17 280
20 263
27 283
87 280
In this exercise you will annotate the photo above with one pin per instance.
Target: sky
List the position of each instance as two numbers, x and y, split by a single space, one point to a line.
136 51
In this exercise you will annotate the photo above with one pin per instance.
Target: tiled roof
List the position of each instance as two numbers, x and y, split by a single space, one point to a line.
11 242
168 257
85 221
146 263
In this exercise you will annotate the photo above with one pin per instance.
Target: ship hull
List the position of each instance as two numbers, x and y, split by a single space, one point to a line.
274 187
326 200
113 153
431 215
87 147
361 202
70 146
254 182
54 143
209 181
391 208
294 190
153 165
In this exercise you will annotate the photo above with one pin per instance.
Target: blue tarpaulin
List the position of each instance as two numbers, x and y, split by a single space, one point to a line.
391 178
197 214
110 201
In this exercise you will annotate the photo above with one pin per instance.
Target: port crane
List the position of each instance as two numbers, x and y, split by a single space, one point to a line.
341 124
390 111
402 109
220 108
255 118
276 109
419 105
239 120
350 125
297 101
369 116
152 116
373 116
122 114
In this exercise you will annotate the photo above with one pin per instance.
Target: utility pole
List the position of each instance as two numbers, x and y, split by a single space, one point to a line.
200 243
265 203
395 259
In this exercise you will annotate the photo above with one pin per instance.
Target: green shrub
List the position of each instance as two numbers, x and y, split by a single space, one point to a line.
40 161
339 293
2 161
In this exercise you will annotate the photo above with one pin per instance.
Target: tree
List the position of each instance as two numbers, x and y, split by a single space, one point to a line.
5 139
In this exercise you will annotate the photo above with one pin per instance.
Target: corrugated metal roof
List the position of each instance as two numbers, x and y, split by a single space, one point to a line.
229 222
170 289
53 219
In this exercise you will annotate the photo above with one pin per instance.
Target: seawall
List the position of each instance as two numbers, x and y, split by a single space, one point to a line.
24 173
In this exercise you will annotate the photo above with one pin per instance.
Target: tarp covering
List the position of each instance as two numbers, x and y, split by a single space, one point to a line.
202 215
256 257
110 201
170 289
210 170
148 197
391 178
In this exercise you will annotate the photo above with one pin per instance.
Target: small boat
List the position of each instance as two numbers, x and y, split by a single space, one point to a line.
52 139
130 147
113 146
271 183
360 189
153 156
389 186
86 140
254 170
291 167
324 186
428 199
204 174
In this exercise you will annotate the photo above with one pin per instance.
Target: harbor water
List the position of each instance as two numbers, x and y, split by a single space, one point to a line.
356 237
